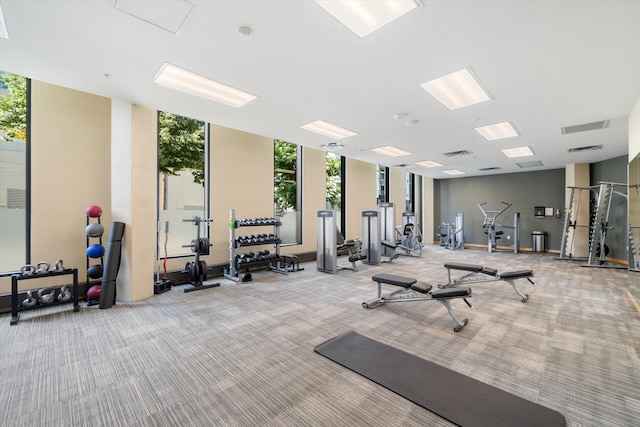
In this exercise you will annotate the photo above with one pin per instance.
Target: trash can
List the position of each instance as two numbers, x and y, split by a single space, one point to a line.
539 241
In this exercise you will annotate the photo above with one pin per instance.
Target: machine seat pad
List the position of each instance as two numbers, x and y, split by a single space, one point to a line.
389 244
517 274
465 267
390 279
422 287
489 271
451 293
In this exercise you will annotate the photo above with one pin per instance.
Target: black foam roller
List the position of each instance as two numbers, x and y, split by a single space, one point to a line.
111 265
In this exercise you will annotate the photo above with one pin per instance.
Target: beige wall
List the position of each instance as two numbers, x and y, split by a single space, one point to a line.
634 130
70 170
241 179
360 194
428 229
578 175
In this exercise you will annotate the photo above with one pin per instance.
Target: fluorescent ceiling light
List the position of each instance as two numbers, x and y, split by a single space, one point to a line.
429 164
327 129
456 90
179 79
518 152
454 172
391 151
365 16
497 131
3 27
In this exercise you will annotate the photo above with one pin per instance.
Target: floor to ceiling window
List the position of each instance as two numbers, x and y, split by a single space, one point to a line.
183 184
14 164
287 190
334 186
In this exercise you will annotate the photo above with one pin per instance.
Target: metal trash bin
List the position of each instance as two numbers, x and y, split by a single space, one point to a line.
539 239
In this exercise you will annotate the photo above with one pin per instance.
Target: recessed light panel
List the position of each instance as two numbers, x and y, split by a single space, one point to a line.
531 164
182 80
497 131
327 129
365 16
429 164
391 151
518 152
454 172
456 90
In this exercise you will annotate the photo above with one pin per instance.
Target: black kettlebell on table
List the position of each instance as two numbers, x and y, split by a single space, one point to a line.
65 294
46 298
30 301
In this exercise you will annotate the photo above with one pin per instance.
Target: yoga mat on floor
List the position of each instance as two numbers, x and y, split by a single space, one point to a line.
457 398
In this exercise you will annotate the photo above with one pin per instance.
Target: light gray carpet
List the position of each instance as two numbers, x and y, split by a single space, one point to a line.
242 354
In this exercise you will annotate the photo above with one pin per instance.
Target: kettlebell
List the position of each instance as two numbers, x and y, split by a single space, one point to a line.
42 267
27 270
46 298
65 294
30 301
59 266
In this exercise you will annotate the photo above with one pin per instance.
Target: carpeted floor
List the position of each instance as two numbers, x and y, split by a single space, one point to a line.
242 354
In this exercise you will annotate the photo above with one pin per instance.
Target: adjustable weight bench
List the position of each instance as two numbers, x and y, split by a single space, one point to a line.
412 290
481 274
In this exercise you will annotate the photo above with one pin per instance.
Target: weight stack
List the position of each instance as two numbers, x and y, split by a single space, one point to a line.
111 265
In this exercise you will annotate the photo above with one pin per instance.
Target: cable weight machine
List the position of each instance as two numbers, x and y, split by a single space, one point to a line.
490 225
197 269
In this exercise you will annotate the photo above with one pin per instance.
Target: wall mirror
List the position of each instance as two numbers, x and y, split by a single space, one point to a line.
634 227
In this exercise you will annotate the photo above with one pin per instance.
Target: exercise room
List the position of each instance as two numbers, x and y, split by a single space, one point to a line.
319 213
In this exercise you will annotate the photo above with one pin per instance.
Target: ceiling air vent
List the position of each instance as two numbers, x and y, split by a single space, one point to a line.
587 148
531 164
458 153
402 165
493 168
587 126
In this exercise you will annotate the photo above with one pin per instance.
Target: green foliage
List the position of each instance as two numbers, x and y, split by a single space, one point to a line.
285 160
334 181
13 107
181 146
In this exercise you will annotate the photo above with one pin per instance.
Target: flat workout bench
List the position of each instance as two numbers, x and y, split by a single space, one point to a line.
410 290
482 274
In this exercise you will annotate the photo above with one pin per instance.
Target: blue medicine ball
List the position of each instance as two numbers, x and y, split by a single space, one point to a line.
95 251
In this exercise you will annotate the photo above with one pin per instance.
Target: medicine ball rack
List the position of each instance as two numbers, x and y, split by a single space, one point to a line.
245 261
17 308
98 280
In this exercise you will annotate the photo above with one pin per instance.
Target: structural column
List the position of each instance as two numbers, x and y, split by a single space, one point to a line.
428 210
578 175
134 154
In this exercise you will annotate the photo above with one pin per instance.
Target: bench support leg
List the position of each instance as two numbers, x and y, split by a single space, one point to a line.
447 304
523 297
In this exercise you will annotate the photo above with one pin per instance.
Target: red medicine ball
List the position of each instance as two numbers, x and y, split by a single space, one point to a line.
94 292
94 211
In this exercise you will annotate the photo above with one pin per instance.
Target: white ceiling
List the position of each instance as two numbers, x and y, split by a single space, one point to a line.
547 64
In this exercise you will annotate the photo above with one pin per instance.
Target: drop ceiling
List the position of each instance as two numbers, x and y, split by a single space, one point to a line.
547 65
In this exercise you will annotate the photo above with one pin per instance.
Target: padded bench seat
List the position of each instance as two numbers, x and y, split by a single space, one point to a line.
451 293
391 279
422 287
517 274
472 267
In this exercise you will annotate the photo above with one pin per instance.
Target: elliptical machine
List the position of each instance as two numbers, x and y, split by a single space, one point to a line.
197 269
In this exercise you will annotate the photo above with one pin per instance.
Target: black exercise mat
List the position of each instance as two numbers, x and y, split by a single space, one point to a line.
457 398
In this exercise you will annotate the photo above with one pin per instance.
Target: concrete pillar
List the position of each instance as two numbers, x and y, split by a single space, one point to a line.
134 154
428 210
578 175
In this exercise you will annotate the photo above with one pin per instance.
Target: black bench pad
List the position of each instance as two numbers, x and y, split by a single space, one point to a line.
465 267
451 293
516 274
489 271
422 287
391 279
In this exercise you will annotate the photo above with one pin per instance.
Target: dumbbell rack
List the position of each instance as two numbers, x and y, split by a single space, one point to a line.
273 262
90 283
17 308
